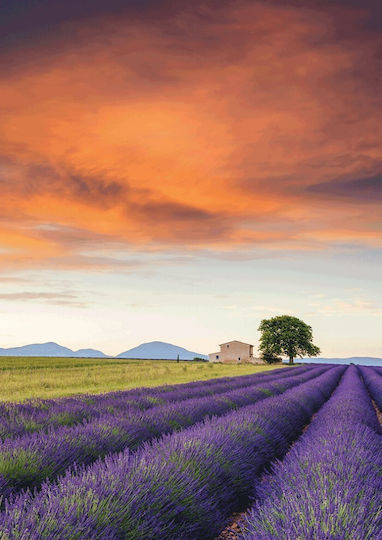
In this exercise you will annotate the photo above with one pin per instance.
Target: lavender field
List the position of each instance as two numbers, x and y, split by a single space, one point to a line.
284 454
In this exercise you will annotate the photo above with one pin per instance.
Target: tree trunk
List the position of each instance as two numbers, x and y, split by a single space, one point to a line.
291 360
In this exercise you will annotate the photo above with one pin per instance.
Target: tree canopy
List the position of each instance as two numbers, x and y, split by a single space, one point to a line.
287 336
270 358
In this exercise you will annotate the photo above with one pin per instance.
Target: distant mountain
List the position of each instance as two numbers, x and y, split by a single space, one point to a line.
362 360
159 350
155 349
51 349
89 353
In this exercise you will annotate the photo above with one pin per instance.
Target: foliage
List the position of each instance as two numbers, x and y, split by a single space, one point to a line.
270 358
329 486
125 420
288 336
183 485
373 381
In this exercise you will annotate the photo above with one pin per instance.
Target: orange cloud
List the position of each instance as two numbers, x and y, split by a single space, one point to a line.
253 123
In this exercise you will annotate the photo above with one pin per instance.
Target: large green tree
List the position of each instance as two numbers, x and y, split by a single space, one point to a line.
287 336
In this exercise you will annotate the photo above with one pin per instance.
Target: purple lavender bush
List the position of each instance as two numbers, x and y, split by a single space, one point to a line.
17 419
27 461
183 486
329 486
373 381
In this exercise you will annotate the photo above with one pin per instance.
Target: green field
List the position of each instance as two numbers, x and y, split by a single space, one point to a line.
25 377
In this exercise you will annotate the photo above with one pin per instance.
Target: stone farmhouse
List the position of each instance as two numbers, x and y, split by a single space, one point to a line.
235 352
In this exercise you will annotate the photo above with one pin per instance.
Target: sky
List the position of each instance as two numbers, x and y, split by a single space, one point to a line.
178 171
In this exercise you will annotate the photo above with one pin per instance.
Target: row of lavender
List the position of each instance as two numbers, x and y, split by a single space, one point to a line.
16 419
373 381
329 486
27 461
184 485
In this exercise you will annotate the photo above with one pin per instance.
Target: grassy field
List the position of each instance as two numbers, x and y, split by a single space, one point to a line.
22 377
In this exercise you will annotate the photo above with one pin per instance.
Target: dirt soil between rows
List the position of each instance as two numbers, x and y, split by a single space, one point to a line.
378 412
232 531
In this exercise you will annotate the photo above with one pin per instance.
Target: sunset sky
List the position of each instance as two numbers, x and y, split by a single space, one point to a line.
179 170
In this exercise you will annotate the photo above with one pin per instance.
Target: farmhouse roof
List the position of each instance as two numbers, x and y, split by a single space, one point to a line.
235 341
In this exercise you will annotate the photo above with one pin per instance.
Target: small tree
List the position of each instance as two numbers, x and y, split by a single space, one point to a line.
288 336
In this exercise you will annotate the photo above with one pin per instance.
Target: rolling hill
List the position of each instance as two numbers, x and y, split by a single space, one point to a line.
159 350
51 349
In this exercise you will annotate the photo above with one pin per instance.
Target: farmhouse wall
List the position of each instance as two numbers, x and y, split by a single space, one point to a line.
235 352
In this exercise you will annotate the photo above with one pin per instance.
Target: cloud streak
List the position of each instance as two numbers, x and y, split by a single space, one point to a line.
362 189
354 306
55 298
